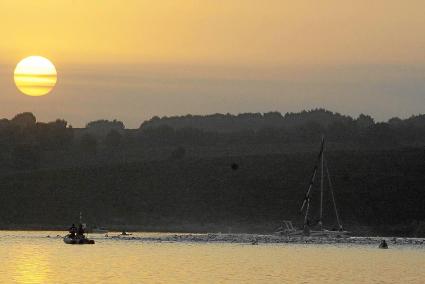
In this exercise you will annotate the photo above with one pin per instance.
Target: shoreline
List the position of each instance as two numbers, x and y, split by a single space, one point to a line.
268 229
240 238
207 230
270 239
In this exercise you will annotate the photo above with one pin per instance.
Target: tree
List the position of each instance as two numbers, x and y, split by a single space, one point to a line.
4 122
59 123
105 124
364 121
25 119
54 135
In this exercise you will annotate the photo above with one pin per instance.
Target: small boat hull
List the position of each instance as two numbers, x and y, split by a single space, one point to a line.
77 241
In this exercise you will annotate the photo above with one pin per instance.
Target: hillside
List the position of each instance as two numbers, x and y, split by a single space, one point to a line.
381 190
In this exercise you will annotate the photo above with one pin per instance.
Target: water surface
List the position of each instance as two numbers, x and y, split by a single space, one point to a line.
32 257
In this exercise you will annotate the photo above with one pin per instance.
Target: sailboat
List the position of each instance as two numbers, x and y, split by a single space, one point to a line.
318 229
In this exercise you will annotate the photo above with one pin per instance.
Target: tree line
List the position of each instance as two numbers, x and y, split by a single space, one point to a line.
26 143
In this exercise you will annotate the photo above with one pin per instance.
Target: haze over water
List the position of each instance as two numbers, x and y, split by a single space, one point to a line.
31 257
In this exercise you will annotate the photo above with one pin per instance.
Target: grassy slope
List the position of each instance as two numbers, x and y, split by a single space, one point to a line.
379 189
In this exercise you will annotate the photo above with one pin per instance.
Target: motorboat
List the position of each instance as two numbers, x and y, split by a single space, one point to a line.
77 240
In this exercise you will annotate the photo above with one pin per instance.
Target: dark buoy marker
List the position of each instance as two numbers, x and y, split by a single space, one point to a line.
234 166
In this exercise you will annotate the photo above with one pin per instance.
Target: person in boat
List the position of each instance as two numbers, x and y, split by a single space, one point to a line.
383 244
72 231
80 231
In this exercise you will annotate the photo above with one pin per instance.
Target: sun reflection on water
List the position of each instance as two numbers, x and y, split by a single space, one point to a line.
28 264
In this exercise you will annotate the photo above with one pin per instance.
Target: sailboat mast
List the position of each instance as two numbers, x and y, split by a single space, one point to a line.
306 201
313 178
306 221
321 181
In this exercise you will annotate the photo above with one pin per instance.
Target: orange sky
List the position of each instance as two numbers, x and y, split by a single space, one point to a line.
216 56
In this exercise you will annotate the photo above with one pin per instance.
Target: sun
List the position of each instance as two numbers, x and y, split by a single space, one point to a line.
35 76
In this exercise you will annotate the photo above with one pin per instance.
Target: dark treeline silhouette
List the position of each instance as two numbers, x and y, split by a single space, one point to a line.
246 171
272 127
250 121
202 136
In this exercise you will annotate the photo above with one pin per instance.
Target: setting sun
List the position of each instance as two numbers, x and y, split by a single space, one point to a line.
35 76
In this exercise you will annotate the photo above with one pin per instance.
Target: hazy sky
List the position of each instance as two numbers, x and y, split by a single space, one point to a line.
131 60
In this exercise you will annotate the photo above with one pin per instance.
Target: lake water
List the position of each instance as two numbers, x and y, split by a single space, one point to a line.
31 257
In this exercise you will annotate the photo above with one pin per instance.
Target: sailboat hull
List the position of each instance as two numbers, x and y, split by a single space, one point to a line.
326 233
